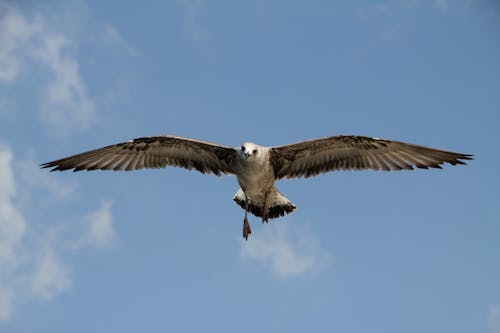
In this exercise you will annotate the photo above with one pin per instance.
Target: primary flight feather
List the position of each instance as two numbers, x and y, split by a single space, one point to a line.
258 167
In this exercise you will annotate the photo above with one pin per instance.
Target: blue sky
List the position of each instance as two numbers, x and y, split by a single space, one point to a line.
161 250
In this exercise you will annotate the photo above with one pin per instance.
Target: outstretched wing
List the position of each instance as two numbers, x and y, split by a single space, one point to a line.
347 152
153 152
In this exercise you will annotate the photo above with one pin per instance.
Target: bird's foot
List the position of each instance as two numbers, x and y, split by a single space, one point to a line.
265 217
265 209
246 228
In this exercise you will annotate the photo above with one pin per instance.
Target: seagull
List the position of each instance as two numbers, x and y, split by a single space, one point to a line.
256 167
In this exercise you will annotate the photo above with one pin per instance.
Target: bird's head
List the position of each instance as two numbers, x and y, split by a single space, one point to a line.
249 149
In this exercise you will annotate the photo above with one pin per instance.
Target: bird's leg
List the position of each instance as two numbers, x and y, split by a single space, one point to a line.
246 225
265 209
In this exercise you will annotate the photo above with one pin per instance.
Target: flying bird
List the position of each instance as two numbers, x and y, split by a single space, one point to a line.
258 167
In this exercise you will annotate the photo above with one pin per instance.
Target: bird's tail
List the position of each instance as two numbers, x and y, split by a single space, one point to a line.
279 206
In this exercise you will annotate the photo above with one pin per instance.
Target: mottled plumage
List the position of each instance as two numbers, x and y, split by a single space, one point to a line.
257 167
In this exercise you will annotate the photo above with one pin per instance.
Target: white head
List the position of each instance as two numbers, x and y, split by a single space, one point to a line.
248 150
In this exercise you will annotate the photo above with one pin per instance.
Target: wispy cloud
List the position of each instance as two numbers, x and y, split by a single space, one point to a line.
14 31
33 262
391 14
12 221
395 7
285 251
494 319
33 179
392 32
12 230
65 103
113 38
441 4
50 275
27 44
193 9
98 228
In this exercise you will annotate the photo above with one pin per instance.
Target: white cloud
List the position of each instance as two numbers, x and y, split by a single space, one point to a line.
28 44
441 4
98 228
12 230
392 26
285 251
35 178
14 30
50 276
38 53
494 319
392 8
12 223
112 37
371 10
65 103
392 32
32 260
193 9
6 302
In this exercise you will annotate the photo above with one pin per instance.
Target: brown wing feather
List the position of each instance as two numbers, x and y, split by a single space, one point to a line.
348 152
152 152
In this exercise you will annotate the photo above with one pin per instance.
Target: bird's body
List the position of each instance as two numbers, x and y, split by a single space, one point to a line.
257 167
253 171
257 193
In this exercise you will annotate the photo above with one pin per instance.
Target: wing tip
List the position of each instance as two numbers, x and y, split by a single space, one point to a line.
459 160
55 167
468 157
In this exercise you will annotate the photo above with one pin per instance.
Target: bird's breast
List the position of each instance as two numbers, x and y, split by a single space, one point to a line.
255 177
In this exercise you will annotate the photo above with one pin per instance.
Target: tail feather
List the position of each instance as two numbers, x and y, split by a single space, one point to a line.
279 207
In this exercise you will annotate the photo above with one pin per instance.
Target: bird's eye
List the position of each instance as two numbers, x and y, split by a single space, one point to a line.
255 151
243 148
